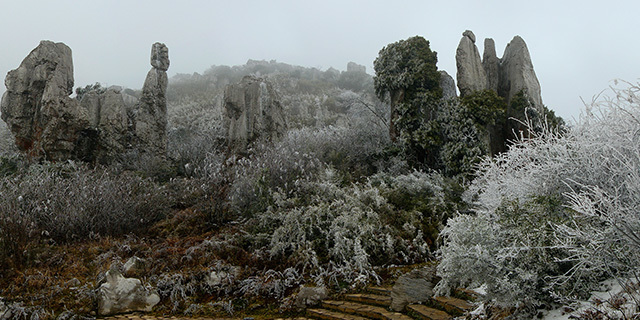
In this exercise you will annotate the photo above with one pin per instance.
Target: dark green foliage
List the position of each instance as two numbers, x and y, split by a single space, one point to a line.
408 66
485 107
407 72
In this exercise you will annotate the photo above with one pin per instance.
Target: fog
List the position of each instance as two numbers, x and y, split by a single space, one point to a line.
577 47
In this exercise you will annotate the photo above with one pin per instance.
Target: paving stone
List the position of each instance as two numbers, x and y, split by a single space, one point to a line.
368 311
379 290
332 315
369 298
427 313
452 305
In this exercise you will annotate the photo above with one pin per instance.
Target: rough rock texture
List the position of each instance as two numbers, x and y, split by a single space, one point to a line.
507 75
516 73
252 111
470 73
108 135
48 124
151 111
310 296
491 64
134 267
354 67
448 85
121 295
44 120
413 287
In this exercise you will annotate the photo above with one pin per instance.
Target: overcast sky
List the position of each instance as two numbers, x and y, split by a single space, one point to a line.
577 47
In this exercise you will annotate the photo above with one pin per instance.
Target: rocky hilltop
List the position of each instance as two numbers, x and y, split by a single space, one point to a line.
50 125
507 76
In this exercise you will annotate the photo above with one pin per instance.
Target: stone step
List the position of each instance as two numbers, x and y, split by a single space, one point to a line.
372 312
384 291
369 298
331 315
453 306
426 313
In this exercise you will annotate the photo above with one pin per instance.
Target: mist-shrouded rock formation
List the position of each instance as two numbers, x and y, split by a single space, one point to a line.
470 73
48 124
151 111
509 75
45 121
252 110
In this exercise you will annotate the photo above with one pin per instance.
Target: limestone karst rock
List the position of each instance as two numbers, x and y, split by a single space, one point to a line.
415 286
151 111
517 74
120 295
108 126
45 121
48 124
252 111
470 73
354 67
491 64
448 85
507 75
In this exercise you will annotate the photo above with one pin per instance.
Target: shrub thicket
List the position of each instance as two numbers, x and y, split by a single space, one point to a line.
555 213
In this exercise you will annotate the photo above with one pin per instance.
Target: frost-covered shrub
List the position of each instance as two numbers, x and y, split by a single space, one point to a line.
66 202
555 213
299 157
338 233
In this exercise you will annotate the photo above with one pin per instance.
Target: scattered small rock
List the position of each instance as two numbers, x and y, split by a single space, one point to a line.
121 295
310 296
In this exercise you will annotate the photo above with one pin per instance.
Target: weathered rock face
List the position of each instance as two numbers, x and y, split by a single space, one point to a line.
354 67
491 64
44 120
448 85
252 111
151 111
517 74
470 73
48 124
413 287
121 295
310 296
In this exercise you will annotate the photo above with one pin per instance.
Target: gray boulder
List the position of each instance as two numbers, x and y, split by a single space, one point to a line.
413 287
151 110
252 111
121 295
310 296
470 72
491 64
448 86
45 121
517 74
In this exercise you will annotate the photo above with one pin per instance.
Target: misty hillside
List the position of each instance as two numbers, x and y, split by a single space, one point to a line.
268 191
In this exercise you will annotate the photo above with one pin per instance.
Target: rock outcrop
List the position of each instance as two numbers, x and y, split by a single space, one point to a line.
470 72
121 295
448 85
48 124
354 67
252 111
507 75
491 64
151 111
45 121
413 287
517 74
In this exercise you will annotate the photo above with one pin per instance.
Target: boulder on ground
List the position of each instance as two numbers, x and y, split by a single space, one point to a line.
414 287
121 295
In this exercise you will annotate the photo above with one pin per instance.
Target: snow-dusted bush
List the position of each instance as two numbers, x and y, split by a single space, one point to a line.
338 233
554 213
299 157
67 202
